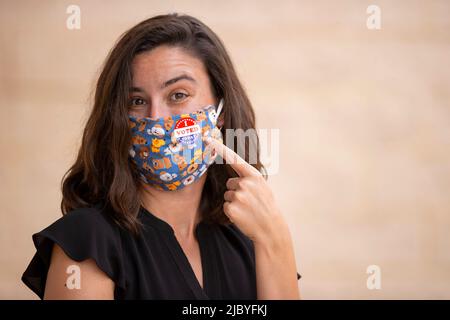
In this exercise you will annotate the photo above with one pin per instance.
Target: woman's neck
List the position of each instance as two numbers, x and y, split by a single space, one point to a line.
179 208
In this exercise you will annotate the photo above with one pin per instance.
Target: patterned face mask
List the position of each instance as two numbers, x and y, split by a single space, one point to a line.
169 152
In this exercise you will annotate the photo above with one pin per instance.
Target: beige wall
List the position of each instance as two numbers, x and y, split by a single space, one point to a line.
364 118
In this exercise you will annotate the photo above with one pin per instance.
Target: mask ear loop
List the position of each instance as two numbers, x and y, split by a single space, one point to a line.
219 109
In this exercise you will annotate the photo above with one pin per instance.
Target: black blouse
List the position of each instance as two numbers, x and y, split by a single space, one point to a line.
153 265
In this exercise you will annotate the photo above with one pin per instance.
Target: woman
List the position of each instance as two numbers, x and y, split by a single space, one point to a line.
147 212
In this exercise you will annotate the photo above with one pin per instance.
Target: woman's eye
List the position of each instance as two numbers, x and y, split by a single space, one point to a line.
178 96
137 102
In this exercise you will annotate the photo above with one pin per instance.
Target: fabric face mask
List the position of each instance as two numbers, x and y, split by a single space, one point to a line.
169 152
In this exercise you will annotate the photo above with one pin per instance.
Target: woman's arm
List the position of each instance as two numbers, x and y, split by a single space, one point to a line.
95 284
276 271
249 203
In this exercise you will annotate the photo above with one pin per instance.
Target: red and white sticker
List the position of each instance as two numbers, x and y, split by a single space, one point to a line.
186 131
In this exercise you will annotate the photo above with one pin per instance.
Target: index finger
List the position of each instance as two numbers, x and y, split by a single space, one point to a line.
242 168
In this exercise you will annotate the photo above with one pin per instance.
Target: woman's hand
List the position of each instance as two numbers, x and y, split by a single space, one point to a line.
250 205
249 201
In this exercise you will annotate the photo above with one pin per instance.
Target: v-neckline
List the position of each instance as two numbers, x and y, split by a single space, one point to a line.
180 258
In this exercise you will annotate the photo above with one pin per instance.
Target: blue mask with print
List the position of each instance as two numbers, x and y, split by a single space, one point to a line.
169 152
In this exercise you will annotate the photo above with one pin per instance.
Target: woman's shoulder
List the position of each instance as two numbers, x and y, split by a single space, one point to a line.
93 217
85 224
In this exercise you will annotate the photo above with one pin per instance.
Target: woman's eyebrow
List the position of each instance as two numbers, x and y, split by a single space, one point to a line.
180 77
167 83
136 89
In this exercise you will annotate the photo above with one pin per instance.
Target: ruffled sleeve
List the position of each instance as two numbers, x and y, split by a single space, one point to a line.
82 234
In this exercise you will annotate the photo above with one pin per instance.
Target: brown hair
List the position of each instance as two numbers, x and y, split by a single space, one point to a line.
102 173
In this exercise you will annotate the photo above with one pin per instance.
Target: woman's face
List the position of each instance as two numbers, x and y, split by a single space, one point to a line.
168 81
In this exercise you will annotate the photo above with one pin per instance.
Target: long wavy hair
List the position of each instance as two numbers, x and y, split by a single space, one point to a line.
102 174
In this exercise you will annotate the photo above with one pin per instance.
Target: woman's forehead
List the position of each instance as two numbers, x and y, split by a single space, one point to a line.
164 63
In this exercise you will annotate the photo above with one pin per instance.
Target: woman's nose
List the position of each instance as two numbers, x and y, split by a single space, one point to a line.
158 110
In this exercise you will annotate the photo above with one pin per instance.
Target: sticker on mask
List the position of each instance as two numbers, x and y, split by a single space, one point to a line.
186 131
